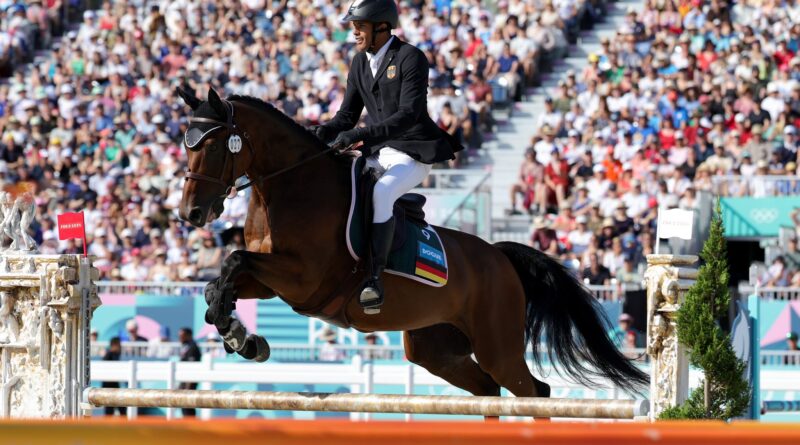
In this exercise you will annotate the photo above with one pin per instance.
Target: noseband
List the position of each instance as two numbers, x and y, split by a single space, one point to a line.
235 141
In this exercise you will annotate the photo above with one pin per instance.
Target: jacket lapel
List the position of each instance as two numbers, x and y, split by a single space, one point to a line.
387 60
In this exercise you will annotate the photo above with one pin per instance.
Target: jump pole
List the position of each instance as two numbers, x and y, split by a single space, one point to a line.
368 403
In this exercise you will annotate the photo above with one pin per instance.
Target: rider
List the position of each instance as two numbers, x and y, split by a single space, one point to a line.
390 78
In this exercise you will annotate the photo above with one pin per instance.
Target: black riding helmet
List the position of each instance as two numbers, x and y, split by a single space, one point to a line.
375 11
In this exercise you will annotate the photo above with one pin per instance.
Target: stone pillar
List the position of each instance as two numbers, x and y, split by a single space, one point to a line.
667 282
46 304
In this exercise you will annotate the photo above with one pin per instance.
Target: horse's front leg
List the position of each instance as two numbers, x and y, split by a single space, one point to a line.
244 275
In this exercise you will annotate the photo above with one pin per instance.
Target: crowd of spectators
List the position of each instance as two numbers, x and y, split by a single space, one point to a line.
688 96
94 124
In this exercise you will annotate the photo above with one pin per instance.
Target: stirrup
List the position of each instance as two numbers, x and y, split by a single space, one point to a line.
371 299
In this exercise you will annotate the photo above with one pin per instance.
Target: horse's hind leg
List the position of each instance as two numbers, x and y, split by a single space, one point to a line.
446 352
497 336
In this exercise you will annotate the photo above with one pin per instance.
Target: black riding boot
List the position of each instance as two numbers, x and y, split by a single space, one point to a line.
381 242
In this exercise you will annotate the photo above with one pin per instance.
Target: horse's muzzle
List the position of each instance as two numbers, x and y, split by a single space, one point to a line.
196 217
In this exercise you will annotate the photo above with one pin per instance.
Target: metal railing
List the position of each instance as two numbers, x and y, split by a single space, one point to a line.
781 358
771 293
473 213
612 292
167 288
756 186
298 353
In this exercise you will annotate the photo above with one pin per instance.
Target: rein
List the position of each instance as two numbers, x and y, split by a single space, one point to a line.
234 129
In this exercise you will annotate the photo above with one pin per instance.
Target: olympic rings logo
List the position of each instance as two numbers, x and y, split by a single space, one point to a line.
764 215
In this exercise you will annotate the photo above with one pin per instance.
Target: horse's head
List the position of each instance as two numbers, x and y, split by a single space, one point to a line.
214 145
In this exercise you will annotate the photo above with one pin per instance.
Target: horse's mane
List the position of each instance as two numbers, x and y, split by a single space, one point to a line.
267 107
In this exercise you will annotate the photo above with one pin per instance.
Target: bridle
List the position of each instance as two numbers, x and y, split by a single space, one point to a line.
236 139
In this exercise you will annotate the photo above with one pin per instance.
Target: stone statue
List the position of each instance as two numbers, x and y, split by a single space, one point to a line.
9 323
5 212
27 210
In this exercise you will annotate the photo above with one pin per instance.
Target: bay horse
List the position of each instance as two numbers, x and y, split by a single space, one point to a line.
497 299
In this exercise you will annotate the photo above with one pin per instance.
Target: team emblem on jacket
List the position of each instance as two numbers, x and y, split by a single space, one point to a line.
391 72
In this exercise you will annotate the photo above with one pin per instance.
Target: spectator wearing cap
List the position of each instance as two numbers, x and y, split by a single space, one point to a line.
622 221
330 350
374 352
580 237
544 238
544 147
624 335
598 184
607 233
550 117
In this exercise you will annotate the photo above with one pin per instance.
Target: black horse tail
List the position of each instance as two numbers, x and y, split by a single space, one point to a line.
573 323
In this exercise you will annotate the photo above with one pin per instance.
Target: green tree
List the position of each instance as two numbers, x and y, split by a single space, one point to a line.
725 393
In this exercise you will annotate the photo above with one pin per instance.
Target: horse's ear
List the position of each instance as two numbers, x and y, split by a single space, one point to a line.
216 103
191 100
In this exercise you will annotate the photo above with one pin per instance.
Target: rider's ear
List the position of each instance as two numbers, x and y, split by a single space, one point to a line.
216 103
191 100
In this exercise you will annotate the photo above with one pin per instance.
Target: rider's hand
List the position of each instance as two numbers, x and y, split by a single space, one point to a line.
347 139
322 132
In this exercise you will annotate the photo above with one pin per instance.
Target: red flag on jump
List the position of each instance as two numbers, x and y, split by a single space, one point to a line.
71 225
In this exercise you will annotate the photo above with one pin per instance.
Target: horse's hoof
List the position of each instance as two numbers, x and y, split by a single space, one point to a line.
542 389
255 348
262 348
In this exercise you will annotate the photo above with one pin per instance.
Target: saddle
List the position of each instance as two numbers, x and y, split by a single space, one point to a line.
417 252
408 209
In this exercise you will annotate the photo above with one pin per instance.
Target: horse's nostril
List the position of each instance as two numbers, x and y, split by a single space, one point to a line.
196 216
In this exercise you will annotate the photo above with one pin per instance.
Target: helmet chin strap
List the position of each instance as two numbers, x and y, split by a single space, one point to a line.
375 31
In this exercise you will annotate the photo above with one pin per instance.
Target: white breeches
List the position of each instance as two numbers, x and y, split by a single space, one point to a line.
399 173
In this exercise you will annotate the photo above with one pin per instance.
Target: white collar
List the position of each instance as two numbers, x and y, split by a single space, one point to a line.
381 52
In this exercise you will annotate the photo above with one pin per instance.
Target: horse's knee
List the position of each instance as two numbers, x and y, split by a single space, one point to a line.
232 264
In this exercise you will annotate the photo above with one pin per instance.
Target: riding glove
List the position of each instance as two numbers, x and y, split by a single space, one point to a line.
348 138
323 133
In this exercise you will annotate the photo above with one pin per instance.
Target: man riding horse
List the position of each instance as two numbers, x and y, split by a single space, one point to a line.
390 78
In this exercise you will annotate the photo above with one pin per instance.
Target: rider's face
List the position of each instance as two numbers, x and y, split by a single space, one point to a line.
362 31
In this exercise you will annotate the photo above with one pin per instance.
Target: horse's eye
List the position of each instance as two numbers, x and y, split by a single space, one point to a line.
213 147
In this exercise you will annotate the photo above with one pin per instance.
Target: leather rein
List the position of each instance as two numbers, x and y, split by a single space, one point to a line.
233 149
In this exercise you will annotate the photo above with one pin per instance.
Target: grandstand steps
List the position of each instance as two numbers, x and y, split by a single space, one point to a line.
506 152
279 323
